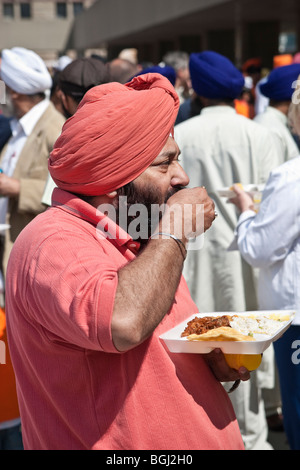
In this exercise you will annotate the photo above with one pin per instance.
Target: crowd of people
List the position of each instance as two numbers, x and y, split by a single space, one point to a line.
86 294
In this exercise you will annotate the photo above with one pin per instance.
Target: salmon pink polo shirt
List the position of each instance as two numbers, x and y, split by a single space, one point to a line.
75 390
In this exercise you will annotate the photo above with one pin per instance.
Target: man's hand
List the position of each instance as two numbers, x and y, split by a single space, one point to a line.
189 213
9 187
243 201
221 369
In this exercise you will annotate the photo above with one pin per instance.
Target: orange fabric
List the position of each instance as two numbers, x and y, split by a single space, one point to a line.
115 134
9 408
2 322
244 108
281 60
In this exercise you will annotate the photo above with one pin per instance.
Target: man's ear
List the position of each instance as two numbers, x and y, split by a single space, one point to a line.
63 99
14 95
112 195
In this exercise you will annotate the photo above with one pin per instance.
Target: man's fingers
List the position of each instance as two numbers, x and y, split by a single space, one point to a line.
221 370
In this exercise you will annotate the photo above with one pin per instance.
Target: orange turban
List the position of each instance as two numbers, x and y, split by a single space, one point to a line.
116 133
281 60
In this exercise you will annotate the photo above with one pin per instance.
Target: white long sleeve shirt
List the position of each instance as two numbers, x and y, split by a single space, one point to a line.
270 240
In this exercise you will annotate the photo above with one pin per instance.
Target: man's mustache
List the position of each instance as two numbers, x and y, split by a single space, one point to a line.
173 191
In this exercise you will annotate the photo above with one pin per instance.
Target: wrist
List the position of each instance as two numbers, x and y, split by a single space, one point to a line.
173 223
165 235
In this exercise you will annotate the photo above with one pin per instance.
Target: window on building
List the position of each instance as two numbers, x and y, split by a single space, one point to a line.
61 10
77 8
25 10
8 10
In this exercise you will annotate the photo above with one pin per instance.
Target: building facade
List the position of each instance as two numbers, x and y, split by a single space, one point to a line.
41 25
237 28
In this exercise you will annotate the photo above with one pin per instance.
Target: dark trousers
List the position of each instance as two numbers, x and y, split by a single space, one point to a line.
11 438
287 353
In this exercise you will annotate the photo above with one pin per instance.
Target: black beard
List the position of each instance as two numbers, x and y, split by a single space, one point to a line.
147 197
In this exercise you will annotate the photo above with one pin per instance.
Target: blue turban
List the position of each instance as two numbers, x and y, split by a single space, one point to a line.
214 76
166 71
279 85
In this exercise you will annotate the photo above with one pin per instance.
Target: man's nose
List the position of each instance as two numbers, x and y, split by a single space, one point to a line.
179 177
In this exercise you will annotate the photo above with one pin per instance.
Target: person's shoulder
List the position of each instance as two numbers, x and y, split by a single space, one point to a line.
253 127
48 226
51 116
50 124
246 121
291 166
51 113
188 124
285 175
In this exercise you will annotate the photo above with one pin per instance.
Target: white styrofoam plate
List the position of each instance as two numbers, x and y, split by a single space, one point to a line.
177 344
252 189
4 227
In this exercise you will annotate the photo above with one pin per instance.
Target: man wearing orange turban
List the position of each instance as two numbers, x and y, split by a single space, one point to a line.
96 138
86 304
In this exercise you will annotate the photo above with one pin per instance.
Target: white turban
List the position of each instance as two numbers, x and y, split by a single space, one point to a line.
24 71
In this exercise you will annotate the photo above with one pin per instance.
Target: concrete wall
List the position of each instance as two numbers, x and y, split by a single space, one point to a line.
47 38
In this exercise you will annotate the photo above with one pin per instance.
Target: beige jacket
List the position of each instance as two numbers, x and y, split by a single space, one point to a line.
32 171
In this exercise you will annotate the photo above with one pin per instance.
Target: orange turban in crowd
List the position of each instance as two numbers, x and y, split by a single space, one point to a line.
116 133
282 60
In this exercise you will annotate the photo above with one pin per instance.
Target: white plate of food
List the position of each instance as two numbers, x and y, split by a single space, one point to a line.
232 332
255 190
3 228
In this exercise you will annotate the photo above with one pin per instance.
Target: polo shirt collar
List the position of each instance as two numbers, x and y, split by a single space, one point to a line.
81 209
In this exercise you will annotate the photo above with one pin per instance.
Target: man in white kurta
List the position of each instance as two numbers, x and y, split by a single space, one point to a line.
277 122
278 88
219 148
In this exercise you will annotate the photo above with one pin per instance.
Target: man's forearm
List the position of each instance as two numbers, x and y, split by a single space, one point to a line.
147 286
145 292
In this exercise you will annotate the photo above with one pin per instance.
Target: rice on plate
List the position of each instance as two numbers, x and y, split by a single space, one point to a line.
260 324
